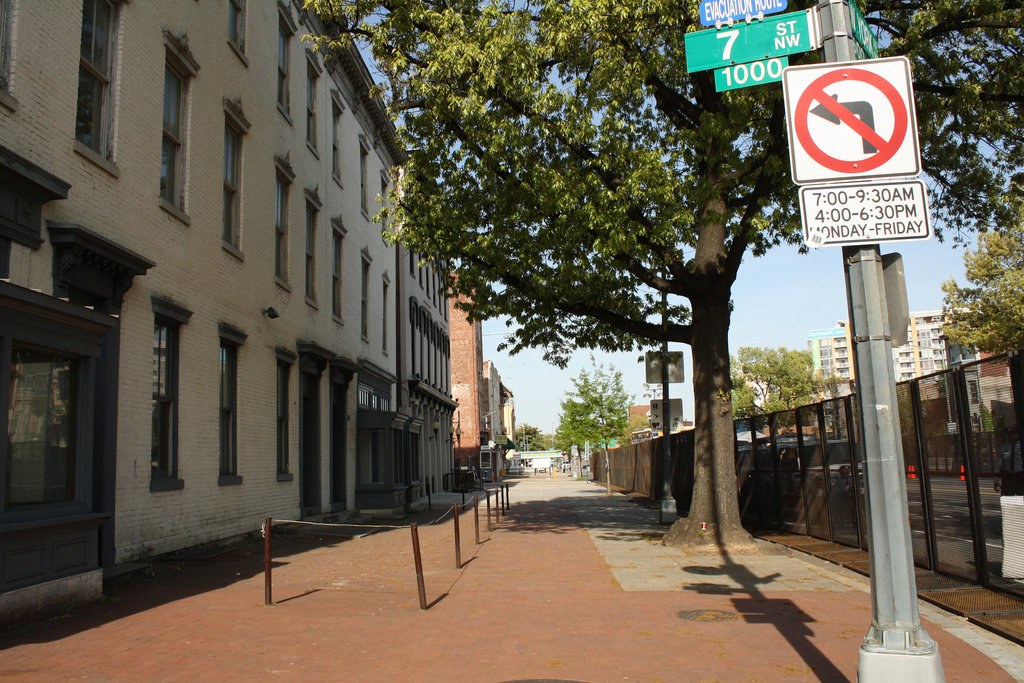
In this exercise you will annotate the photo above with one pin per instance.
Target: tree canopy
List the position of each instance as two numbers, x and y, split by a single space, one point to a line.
768 380
988 313
572 171
596 410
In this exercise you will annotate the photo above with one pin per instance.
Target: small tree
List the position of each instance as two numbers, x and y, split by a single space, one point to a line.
988 315
528 438
597 410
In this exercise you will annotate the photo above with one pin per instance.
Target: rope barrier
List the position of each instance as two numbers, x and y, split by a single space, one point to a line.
438 520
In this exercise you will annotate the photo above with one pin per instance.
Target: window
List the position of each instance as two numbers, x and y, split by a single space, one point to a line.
336 139
6 13
230 340
337 242
364 311
312 81
92 120
284 369
235 127
285 30
228 415
371 452
364 155
236 24
179 68
281 230
165 399
41 433
232 155
384 316
311 217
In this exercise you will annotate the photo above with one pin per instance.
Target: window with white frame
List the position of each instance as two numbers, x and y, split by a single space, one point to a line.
93 118
364 160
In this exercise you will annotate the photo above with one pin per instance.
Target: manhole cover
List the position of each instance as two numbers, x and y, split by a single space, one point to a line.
707 615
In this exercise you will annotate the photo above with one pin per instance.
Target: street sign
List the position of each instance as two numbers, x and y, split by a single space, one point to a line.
717 12
753 73
784 34
867 43
864 213
851 121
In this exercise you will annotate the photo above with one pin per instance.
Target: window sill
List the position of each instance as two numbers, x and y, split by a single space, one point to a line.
337 180
239 52
338 319
233 250
8 102
91 155
312 303
312 148
164 483
285 476
284 112
229 480
282 283
175 211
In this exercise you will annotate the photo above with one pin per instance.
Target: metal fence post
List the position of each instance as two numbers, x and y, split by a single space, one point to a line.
458 544
476 516
419 565
267 562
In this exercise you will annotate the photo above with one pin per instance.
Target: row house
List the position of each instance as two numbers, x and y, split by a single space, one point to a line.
204 324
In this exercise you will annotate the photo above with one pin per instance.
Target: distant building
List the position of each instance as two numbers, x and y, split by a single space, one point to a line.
923 354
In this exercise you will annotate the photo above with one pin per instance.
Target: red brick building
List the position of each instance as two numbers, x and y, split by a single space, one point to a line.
468 386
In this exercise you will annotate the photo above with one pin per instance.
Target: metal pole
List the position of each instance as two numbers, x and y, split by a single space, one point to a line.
896 646
458 543
267 562
667 513
487 495
419 565
476 516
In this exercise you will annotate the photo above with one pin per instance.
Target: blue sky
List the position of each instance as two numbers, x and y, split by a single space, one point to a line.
777 298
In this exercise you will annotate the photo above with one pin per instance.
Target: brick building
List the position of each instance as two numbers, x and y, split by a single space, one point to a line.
468 387
204 324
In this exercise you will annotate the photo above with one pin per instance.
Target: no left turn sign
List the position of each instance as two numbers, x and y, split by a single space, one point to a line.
851 121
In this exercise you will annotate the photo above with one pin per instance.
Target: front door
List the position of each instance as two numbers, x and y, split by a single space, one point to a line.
309 443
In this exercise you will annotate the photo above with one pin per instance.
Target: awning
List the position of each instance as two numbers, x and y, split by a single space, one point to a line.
503 441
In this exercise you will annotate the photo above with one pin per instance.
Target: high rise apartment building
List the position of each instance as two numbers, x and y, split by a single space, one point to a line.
923 353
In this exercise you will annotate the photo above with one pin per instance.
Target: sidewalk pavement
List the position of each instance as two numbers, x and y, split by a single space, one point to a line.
572 585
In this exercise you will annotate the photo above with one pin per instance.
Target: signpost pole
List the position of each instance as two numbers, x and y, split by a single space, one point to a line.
896 647
667 513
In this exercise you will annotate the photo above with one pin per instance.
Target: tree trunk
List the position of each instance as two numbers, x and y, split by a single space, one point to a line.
714 518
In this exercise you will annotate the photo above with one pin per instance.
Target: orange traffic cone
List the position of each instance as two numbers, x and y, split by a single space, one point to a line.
911 474
962 477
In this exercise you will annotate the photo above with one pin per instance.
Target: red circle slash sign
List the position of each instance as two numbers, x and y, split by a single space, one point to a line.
815 92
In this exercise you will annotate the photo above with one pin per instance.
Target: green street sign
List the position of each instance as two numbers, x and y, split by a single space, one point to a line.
752 73
775 36
862 35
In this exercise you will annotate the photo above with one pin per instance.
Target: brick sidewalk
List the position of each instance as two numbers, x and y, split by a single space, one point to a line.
535 601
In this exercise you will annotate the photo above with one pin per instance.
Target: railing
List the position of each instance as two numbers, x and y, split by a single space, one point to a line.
799 471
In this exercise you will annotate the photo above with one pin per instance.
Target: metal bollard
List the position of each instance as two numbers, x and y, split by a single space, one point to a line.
419 565
458 544
487 494
476 516
267 555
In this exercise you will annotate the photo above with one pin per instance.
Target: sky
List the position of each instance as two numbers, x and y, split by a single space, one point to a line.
777 299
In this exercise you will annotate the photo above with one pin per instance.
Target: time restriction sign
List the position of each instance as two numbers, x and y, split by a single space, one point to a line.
851 121
866 213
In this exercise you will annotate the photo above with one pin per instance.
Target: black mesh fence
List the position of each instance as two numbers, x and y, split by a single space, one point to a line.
802 471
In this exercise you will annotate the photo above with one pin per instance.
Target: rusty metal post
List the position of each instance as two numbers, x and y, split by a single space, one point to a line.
267 555
458 543
487 494
476 516
419 565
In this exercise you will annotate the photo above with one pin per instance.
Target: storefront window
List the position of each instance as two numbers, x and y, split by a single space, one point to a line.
41 429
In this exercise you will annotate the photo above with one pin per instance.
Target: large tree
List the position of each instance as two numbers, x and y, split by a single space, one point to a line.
988 313
768 380
572 171
596 410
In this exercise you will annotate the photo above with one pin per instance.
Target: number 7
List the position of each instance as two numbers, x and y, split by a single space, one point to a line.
730 37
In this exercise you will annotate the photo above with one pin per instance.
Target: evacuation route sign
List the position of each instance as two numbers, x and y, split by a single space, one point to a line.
851 121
